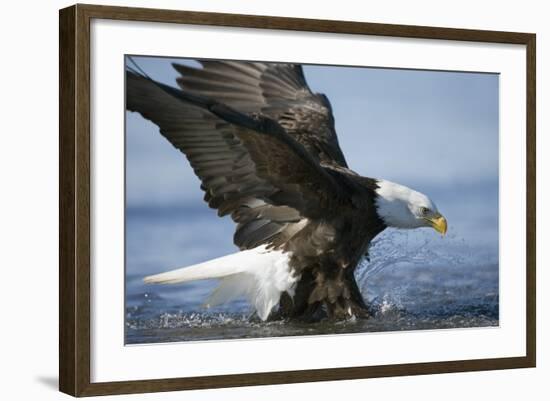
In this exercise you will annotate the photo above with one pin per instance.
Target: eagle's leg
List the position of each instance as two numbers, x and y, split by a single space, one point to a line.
298 306
321 295
350 303
342 298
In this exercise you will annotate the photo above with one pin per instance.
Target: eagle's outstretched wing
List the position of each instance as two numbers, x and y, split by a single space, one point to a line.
248 165
276 90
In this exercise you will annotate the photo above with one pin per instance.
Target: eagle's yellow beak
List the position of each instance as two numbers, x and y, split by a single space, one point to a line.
439 223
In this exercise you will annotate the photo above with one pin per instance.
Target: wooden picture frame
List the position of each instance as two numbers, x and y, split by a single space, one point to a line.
74 200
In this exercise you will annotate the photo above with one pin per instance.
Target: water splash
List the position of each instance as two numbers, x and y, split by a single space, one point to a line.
400 248
190 320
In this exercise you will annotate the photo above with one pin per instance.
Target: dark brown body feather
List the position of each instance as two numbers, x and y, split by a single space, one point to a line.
266 152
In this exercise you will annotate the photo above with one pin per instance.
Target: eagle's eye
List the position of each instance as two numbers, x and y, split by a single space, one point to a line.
424 211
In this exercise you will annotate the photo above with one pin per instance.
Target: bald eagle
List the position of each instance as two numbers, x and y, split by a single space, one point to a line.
265 149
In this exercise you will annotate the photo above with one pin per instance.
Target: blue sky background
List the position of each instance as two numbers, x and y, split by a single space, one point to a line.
436 132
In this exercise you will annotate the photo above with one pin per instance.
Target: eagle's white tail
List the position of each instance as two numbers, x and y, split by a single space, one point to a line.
258 274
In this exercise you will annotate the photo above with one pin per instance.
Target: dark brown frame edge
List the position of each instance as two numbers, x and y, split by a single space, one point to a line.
74 199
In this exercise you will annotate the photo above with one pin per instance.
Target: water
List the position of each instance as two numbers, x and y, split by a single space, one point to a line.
417 298
414 280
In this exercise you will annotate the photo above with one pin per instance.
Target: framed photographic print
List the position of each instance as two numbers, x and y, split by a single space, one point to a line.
313 200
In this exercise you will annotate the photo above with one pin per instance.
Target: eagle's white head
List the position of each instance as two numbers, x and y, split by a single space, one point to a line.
402 207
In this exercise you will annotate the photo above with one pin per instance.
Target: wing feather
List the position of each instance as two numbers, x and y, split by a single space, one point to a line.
249 167
276 90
